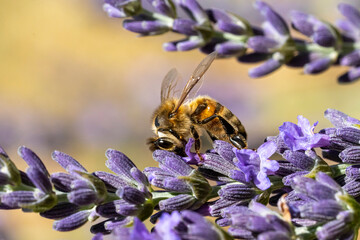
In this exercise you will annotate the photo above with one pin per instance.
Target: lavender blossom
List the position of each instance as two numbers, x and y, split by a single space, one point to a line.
256 222
325 203
302 136
231 35
190 189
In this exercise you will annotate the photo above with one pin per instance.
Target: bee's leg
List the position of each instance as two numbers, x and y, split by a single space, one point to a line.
237 139
196 137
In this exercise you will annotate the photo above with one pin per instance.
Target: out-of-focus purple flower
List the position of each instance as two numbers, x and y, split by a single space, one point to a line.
256 166
121 8
185 44
323 201
256 222
174 175
165 7
351 29
276 42
301 136
146 27
193 9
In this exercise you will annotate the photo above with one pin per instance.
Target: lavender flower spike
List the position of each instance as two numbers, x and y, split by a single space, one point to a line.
302 136
255 166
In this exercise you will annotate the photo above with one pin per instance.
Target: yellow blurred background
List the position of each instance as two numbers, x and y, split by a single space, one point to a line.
74 80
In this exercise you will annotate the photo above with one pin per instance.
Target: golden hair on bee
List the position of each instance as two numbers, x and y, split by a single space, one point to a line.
176 119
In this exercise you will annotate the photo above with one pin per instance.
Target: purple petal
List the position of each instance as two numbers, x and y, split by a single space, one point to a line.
266 150
268 67
165 7
262 181
193 8
172 162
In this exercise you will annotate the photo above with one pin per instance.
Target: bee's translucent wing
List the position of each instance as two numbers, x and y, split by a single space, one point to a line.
196 77
168 85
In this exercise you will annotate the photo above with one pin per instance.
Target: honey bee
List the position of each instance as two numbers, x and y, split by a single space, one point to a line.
177 119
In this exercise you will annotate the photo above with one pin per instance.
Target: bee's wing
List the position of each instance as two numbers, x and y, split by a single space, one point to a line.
168 85
196 77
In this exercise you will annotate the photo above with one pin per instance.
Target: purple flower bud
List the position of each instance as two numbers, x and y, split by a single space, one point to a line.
20 198
176 185
289 179
98 236
40 180
339 228
351 76
272 17
112 181
126 209
164 6
72 222
66 161
303 22
139 176
32 159
350 12
267 67
131 195
350 155
353 172
262 44
171 162
340 119
61 210
62 181
324 36
230 48
299 159
184 45
146 27
317 66
184 26
113 11
225 150
351 59
193 9
352 188
216 163
107 210
120 164
349 134
177 203
82 196
227 22
253 57
237 192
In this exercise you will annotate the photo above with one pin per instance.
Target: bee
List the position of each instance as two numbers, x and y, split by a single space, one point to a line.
177 119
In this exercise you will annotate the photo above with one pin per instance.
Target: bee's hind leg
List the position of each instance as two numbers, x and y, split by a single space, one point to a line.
239 141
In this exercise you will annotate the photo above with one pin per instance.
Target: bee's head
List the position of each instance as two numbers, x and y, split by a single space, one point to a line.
168 144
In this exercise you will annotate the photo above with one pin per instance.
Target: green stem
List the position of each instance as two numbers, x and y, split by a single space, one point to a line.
339 169
168 20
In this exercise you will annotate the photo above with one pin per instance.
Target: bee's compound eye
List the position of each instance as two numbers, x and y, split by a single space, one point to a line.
164 144
157 124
